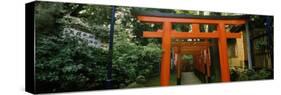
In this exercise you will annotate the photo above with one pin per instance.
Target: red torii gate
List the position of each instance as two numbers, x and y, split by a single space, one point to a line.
167 34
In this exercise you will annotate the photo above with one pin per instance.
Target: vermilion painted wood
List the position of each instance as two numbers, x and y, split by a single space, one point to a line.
233 35
225 74
147 34
193 35
201 63
166 47
190 44
191 52
152 19
208 63
195 28
201 59
174 34
178 65
167 34
176 53
193 49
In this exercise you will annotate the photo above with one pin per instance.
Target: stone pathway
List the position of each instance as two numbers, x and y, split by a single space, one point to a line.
189 78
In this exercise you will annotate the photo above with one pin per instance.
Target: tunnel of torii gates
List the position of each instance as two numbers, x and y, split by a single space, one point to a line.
167 33
201 56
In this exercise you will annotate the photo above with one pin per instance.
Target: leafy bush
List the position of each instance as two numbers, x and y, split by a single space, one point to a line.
132 61
66 63
250 75
69 64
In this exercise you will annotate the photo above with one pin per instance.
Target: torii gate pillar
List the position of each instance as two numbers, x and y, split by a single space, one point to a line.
225 73
166 46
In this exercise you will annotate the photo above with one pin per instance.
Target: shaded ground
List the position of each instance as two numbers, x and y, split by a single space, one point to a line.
153 82
189 78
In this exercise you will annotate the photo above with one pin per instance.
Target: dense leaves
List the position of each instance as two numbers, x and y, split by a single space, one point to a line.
248 74
69 64
65 62
131 60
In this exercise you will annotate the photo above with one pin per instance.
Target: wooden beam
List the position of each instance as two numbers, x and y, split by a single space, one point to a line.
225 73
176 49
208 63
191 51
166 54
199 47
233 35
180 35
190 20
178 68
190 44
194 48
193 35
147 34
195 28
174 34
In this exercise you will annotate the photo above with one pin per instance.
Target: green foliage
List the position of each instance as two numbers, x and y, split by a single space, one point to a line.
69 63
97 18
66 63
132 61
46 15
187 58
250 75
186 12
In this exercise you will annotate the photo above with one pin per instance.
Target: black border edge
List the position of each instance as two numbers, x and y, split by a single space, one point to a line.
29 47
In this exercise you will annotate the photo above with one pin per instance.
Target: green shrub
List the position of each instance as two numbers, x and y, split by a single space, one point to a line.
65 63
250 75
69 64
